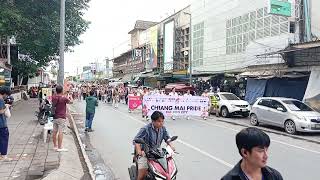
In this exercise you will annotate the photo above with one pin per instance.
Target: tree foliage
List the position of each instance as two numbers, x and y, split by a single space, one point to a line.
35 24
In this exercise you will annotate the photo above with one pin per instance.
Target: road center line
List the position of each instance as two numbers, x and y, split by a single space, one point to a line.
276 141
185 143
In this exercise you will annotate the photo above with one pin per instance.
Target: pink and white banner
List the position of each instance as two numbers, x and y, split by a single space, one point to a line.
176 106
134 102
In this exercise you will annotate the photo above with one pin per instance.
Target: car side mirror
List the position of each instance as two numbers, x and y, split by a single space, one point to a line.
139 141
280 109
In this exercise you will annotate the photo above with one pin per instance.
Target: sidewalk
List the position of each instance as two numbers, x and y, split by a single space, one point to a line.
32 158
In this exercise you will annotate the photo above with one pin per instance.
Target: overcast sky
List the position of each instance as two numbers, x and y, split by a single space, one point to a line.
110 23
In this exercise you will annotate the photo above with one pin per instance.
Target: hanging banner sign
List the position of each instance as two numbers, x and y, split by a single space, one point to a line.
280 7
176 106
47 93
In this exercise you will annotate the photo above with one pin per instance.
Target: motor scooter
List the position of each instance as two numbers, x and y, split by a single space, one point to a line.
160 162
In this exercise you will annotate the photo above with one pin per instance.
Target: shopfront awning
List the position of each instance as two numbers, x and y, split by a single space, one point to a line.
126 78
268 74
116 79
293 48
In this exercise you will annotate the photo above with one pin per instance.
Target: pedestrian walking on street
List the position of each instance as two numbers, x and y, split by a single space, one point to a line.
59 101
253 146
4 131
91 104
116 97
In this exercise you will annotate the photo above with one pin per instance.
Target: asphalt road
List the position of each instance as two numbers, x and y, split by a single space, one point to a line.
207 148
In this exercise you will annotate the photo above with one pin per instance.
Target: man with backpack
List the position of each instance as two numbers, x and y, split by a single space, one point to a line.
91 104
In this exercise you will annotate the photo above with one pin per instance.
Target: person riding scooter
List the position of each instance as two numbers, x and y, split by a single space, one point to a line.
153 134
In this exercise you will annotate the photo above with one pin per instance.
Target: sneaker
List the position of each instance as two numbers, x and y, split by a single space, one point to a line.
188 118
6 158
173 118
55 148
90 130
62 150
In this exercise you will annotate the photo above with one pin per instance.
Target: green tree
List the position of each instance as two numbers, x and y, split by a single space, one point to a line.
35 24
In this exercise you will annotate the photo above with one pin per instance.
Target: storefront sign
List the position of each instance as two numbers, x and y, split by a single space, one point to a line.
279 7
47 93
176 106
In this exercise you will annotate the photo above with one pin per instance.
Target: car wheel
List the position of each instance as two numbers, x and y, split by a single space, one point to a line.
224 112
290 127
254 120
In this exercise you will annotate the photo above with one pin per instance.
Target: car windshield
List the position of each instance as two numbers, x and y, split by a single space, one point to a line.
297 105
229 97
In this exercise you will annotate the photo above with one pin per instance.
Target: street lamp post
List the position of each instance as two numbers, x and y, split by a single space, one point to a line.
190 49
62 41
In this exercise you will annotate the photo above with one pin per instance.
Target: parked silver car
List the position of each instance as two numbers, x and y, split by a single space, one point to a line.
290 114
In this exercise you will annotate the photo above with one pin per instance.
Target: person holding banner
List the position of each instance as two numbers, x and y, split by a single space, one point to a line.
188 94
144 110
173 93
206 111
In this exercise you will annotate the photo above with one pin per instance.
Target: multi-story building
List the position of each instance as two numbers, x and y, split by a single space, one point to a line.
132 62
173 43
157 48
227 35
251 39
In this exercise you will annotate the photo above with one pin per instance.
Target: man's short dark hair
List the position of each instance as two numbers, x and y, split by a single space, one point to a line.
251 137
156 115
91 93
59 89
4 90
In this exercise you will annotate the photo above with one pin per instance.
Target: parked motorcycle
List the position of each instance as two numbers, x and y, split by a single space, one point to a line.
44 113
160 162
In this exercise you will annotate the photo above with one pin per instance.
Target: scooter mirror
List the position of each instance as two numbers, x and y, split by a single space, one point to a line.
139 141
174 138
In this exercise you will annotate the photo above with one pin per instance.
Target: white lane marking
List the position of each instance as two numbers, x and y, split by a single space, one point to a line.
206 154
186 144
276 141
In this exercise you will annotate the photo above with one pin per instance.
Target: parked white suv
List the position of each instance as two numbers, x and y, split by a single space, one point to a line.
230 104
287 113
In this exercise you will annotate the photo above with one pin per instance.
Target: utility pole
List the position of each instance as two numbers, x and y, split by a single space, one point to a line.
190 49
8 50
62 46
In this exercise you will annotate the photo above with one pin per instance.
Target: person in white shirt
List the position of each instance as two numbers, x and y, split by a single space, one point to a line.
205 94
187 94
173 93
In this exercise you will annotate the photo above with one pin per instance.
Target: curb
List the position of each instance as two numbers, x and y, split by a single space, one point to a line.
83 151
270 131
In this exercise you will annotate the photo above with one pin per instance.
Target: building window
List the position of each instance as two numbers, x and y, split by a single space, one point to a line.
254 25
198 38
292 27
